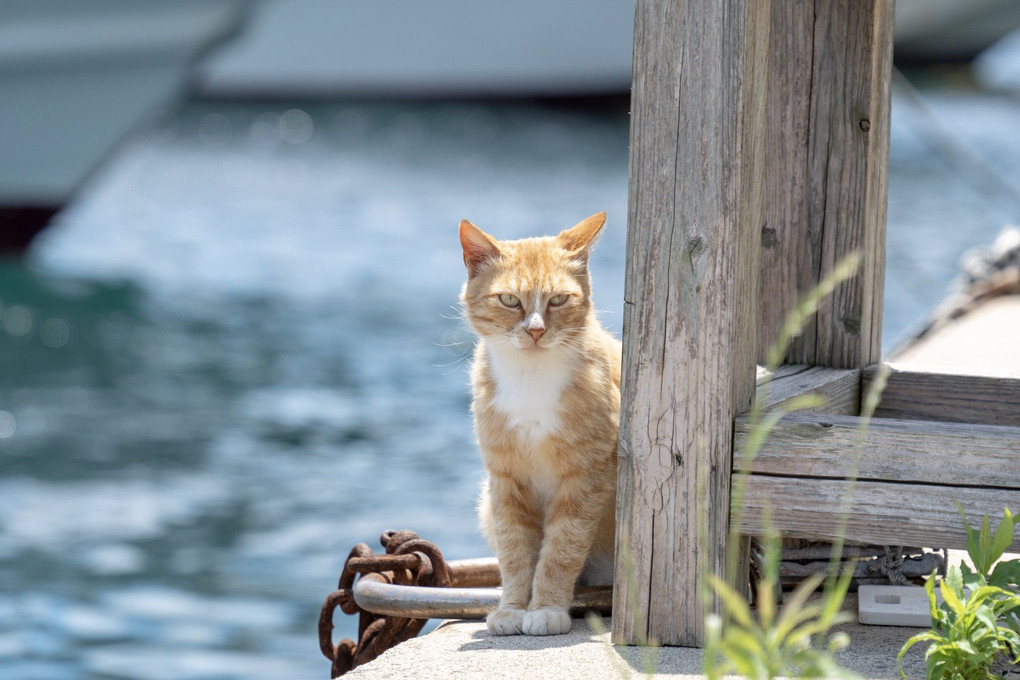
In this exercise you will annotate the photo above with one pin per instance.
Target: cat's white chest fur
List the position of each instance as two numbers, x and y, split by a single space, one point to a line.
529 389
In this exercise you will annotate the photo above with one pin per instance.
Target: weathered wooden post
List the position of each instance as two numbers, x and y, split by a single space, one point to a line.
698 237
826 173
691 302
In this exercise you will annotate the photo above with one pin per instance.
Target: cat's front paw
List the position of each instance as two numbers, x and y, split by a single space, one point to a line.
546 621
505 621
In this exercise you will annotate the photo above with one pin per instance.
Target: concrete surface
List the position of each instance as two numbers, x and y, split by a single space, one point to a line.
465 650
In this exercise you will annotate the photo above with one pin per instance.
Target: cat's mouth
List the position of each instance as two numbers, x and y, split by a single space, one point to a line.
541 345
529 344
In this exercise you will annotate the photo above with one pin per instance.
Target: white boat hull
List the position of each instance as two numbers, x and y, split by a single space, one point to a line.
465 48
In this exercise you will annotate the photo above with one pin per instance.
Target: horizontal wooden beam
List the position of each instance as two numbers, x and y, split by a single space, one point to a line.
933 394
835 446
878 512
840 387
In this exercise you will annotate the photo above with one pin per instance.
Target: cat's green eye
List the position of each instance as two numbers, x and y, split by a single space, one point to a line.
557 300
509 300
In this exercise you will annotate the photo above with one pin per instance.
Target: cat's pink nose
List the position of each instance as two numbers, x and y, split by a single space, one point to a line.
535 325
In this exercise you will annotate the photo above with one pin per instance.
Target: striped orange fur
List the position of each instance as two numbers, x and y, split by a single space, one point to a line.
546 402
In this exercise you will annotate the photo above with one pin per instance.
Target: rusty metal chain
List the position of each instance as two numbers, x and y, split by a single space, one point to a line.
409 560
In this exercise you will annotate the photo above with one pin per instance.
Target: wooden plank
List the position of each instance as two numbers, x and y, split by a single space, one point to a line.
690 319
827 173
882 513
934 394
840 387
955 454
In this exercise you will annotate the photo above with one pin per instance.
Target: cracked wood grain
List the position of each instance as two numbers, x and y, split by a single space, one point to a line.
883 513
697 149
909 451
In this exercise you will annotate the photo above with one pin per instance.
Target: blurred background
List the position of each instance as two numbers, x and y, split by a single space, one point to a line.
229 341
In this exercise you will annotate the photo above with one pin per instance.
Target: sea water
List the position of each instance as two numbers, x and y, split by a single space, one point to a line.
238 353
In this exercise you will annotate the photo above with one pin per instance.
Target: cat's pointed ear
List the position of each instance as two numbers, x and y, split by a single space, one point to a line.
580 237
478 246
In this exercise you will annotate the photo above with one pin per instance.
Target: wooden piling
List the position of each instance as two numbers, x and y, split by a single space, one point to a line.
691 302
826 176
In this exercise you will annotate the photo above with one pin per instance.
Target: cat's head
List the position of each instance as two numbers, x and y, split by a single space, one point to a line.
533 294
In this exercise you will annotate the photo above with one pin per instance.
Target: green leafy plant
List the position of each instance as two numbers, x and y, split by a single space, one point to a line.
985 550
977 622
778 642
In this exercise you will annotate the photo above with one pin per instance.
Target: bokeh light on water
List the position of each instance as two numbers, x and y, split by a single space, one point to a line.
238 354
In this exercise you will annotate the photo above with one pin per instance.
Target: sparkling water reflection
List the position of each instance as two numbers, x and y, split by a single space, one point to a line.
238 354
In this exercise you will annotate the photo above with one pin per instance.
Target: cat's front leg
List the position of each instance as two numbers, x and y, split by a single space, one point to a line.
517 532
569 532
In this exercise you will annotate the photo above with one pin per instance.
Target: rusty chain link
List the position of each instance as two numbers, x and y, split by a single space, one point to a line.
409 560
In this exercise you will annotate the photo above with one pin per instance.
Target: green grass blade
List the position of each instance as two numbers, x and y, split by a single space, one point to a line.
1003 535
794 609
926 636
735 604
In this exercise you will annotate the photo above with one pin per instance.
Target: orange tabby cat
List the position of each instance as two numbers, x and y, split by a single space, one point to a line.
546 385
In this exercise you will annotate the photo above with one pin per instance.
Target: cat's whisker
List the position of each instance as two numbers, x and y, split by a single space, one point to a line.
454 344
580 352
458 314
456 363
